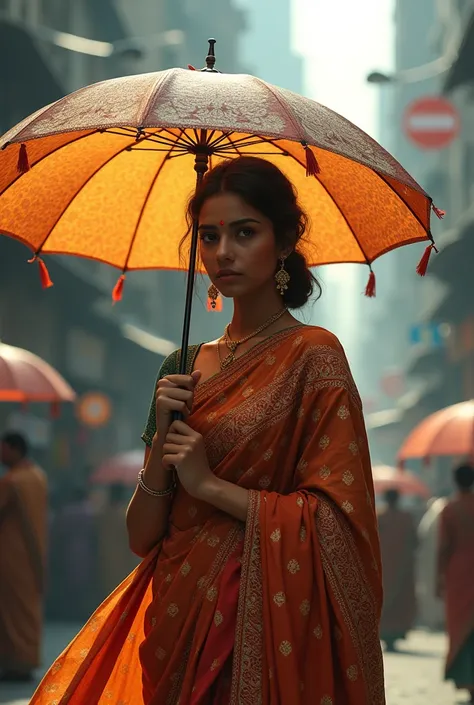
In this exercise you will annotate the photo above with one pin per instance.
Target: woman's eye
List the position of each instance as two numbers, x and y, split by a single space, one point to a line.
246 232
208 237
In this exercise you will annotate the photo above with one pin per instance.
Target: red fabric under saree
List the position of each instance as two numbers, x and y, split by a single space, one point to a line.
456 573
282 610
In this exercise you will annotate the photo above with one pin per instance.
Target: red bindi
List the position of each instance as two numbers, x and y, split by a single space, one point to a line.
221 222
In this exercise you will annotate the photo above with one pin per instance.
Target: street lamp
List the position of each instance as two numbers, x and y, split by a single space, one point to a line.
130 47
418 73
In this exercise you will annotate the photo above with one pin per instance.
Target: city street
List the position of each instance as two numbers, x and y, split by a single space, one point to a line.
413 676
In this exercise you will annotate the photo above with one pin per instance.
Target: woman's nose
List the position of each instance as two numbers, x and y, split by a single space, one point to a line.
224 250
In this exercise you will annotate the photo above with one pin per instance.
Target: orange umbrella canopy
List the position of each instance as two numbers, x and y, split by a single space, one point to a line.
25 377
405 482
106 172
120 469
446 432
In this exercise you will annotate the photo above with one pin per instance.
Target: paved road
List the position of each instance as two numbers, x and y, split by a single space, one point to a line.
413 676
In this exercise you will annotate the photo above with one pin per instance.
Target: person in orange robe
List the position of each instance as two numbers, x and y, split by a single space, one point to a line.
456 579
398 543
23 532
261 579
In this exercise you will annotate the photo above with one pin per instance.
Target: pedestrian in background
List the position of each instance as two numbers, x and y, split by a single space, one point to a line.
23 532
398 544
456 579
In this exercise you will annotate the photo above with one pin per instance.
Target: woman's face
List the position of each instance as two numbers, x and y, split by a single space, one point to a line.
237 246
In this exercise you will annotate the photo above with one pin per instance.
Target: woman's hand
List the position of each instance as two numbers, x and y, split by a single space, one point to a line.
184 449
174 393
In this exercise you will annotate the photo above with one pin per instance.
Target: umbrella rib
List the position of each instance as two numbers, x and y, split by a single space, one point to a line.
142 209
220 139
81 188
183 135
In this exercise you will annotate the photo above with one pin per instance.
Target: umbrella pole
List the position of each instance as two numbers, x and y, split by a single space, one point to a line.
201 164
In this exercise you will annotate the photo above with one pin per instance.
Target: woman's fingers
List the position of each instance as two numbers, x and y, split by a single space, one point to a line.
170 448
183 381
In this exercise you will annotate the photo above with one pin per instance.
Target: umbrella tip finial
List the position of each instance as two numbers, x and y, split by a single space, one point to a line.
211 57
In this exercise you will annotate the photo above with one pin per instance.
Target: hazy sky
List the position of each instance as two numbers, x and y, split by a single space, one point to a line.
341 42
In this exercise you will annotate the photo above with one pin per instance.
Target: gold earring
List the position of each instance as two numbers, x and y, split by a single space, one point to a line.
213 295
282 277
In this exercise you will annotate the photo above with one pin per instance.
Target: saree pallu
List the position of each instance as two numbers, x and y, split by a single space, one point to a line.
456 568
284 609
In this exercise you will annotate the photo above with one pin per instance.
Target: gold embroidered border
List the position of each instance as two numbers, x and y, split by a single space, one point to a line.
346 576
248 649
317 367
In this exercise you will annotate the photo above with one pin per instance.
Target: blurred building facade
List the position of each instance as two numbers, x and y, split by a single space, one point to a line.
267 44
52 47
413 321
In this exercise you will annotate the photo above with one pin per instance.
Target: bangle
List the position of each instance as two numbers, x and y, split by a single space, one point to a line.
155 493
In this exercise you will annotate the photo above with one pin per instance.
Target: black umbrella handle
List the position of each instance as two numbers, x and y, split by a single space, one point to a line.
201 163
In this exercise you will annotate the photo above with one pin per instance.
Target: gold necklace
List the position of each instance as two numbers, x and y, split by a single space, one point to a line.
232 345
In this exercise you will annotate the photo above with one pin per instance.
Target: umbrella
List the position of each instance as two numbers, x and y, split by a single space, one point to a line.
25 377
121 469
446 432
106 172
387 478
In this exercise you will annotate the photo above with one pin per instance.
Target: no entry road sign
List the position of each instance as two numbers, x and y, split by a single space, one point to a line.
431 122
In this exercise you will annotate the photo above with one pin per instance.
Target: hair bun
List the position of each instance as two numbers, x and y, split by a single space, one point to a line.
302 282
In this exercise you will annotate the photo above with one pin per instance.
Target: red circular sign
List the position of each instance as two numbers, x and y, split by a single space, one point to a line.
431 122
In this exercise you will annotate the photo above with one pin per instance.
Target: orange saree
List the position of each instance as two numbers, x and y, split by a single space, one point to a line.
283 609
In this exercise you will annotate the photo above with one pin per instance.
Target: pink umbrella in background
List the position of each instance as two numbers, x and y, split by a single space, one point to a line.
25 377
405 482
121 469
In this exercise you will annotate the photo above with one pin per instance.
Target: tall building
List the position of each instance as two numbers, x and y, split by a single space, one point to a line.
409 321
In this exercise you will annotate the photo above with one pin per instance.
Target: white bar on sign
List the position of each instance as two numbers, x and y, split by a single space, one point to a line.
432 123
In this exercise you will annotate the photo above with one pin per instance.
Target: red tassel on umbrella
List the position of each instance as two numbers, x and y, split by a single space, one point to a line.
118 289
312 166
23 164
370 288
423 263
438 211
46 281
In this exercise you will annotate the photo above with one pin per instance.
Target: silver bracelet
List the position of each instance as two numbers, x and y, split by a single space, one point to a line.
155 493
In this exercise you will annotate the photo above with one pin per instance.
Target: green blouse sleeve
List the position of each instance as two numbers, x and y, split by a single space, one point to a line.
170 366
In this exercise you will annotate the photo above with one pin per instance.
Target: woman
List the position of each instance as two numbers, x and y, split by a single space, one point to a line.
456 579
261 579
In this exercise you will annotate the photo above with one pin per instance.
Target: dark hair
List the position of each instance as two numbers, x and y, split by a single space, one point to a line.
464 476
264 187
17 442
392 497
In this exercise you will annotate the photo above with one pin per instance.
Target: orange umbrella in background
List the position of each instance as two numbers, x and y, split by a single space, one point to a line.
121 469
25 377
449 431
405 482
106 172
